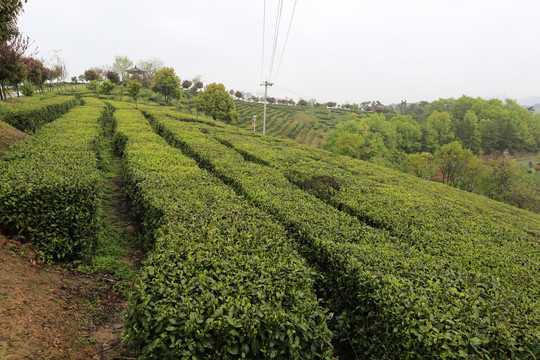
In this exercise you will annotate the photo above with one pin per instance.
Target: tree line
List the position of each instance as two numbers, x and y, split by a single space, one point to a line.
465 142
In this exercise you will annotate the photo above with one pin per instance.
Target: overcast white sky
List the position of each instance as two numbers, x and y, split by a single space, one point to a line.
339 50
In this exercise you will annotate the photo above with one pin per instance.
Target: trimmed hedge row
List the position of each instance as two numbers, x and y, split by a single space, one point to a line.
470 230
32 115
50 185
392 298
222 280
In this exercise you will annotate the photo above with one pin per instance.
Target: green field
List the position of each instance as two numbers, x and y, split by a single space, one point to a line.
260 247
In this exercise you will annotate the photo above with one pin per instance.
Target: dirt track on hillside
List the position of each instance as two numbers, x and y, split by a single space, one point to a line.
49 312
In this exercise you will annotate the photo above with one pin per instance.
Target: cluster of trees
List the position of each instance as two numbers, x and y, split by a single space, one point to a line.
368 106
214 100
482 126
444 143
150 74
117 73
18 67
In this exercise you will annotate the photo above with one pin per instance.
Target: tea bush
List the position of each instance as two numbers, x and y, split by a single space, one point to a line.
50 185
30 116
222 280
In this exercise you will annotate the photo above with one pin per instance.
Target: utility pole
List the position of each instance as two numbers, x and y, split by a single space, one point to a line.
266 85
254 123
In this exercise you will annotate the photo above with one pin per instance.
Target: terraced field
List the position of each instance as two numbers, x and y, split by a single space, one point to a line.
304 125
264 248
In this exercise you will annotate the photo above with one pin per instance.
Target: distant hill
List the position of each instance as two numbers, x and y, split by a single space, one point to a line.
529 101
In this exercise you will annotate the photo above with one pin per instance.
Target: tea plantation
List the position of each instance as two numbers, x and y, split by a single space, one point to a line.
305 125
263 248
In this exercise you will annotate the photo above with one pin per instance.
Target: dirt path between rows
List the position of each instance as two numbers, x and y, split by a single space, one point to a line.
49 312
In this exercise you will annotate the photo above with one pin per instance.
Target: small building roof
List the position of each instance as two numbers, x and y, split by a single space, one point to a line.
135 70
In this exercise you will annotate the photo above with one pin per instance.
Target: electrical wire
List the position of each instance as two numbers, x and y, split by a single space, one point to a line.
264 27
302 96
276 37
286 39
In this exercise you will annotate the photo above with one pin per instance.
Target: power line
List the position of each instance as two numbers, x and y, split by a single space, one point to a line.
302 96
264 27
286 39
276 37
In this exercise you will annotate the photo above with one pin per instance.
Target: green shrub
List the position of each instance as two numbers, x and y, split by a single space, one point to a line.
30 116
27 89
222 281
50 186
421 287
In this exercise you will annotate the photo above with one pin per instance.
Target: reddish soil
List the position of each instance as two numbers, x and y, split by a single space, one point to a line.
8 135
50 312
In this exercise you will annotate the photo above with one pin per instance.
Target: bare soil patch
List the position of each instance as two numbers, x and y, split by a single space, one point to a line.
50 312
9 135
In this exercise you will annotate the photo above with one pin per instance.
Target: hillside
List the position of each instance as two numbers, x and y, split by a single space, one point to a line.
306 125
253 241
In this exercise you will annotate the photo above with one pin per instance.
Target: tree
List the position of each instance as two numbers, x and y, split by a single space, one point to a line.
453 160
216 102
302 102
239 94
36 72
58 66
134 89
353 138
385 131
439 130
150 66
10 61
121 64
27 88
408 134
93 86
331 104
167 84
10 9
107 87
92 74
186 84
421 165
468 131
113 76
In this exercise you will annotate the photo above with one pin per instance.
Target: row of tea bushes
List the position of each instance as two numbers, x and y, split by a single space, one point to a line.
392 299
50 185
30 116
222 280
475 232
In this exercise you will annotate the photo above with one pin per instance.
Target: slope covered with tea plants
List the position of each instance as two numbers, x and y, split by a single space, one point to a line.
414 267
260 247
305 125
